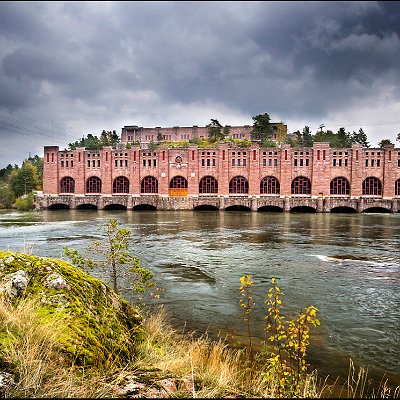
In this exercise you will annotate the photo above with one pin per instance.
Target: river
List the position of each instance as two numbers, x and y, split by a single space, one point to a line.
346 265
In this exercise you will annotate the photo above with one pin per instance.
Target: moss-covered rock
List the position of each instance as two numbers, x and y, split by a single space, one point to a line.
97 324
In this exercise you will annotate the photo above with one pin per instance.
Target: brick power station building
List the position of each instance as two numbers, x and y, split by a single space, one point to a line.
225 177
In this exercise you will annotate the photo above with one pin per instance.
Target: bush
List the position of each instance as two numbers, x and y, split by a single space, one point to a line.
24 203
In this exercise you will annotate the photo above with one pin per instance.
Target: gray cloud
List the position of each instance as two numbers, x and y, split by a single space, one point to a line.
92 65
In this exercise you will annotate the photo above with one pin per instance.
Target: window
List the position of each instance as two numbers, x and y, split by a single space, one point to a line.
93 185
301 185
239 184
269 185
372 187
149 185
67 185
340 185
208 184
178 182
397 188
121 185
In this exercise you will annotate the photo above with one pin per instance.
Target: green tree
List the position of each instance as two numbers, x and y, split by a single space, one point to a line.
343 138
214 130
5 172
307 137
25 202
7 196
384 142
360 138
108 138
111 254
262 128
37 162
226 131
24 180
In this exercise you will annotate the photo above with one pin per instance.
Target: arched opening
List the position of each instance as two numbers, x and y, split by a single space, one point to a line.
343 209
238 184
303 209
115 207
149 184
208 184
301 185
121 185
205 207
340 186
59 206
269 185
376 210
237 207
178 186
67 185
145 207
372 186
93 185
86 207
270 209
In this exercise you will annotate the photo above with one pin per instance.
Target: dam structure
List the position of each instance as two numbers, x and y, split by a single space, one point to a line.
226 176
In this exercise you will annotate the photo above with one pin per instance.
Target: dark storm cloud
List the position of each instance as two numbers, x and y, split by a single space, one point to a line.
100 63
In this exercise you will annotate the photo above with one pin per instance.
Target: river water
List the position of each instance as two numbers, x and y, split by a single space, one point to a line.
346 265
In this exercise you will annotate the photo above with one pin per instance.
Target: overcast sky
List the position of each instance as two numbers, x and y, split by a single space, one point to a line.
72 68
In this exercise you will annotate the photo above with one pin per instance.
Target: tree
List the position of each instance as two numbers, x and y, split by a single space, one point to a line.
7 196
112 253
307 137
262 129
360 138
384 142
398 137
226 131
343 138
215 130
24 180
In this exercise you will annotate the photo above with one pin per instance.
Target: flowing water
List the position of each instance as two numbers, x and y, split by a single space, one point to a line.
346 265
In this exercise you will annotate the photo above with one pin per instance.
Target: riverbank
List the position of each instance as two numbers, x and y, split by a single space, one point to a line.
66 334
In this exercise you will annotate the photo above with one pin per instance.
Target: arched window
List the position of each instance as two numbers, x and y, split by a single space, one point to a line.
397 188
178 182
238 184
301 185
269 185
178 186
340 185
93 185
67 185
372 187
149 185
208 184
121 185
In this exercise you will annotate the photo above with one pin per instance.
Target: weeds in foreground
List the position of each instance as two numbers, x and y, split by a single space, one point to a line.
29 349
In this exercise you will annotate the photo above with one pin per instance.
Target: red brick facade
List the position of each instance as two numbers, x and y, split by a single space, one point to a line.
224 171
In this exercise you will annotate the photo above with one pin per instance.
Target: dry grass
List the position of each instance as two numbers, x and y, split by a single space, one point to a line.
217 369
30 351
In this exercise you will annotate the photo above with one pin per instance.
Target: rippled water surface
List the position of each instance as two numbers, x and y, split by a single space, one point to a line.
347 265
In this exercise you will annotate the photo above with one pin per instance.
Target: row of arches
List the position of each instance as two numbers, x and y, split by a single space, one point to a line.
300 185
